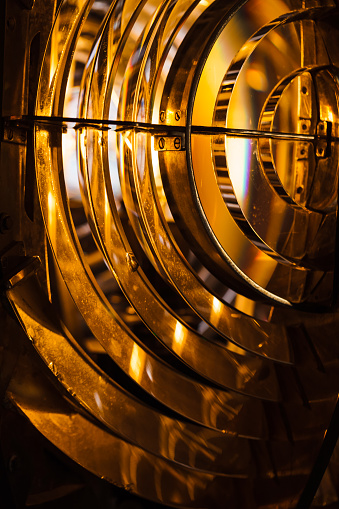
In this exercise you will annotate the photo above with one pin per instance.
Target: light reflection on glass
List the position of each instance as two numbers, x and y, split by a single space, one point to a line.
256 78
179 338
136 157
216 310
51 214
137 363
98 400
260 66
239 156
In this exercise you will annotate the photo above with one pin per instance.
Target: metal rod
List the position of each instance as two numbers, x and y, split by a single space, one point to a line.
251 133
212 130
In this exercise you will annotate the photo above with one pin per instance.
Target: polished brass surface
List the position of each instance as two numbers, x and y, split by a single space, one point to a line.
168 245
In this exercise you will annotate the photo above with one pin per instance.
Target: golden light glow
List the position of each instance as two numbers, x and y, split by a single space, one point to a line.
180 263
256 78
179 338
216 310
137 363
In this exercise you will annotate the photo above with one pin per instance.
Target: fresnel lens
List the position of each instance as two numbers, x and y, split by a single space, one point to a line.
168 242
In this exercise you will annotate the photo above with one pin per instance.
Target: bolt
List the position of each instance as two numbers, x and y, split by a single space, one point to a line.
177 143
10 134
11 23
6 223
162 116
162 143
177 115
321 128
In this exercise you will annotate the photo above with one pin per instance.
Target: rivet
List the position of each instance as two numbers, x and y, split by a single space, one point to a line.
177 143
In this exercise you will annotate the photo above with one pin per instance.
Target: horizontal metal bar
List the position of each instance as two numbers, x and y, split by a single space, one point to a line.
162 128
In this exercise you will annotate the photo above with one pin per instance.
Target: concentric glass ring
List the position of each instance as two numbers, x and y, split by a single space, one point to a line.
192 229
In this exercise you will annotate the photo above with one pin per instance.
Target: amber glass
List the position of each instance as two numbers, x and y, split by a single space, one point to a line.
186 163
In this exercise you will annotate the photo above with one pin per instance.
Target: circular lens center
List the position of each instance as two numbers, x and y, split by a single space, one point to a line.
303 169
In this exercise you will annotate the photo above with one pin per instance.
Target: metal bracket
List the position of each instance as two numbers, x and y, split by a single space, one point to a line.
15 134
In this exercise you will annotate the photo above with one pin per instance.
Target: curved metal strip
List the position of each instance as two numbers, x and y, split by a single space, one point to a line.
157 64
88 295
260 268
106 326
240 373
261 338
158 318
112 458
58 56
205 307
189 346
176 440
288 218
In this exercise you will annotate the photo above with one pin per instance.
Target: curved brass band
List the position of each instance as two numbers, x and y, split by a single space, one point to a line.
110 404
251 402
109 456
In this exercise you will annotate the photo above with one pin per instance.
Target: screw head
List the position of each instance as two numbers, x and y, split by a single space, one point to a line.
177 143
